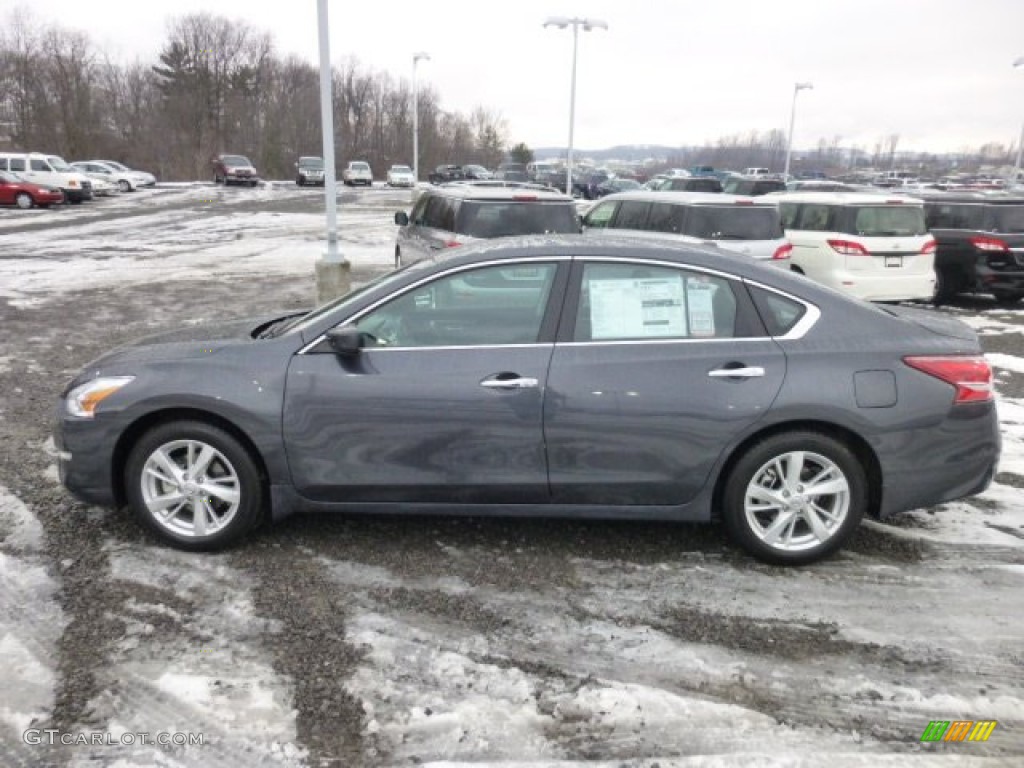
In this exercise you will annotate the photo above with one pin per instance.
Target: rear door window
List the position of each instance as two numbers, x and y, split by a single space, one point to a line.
17 164
666 217
505 218
39 165
954 216
440 214
1008 218
734 222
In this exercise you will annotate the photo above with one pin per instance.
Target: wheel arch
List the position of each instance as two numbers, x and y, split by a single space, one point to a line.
861 448
130 436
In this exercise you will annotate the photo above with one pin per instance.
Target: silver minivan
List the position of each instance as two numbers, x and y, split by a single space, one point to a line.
740 224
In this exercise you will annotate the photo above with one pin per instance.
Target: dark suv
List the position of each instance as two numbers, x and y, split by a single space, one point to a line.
979 244
444 173
449 216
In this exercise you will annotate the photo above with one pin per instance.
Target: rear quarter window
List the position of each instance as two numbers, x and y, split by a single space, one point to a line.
888 221
632 215
954 216
509 218
1008 218
778 313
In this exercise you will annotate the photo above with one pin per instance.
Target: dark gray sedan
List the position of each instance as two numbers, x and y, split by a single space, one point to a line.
555 376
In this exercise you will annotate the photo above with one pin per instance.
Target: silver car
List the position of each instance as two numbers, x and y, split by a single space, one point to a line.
740 224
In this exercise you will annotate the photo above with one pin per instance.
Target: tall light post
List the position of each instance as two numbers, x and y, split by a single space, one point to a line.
416 116
1020 142
792 120
332 271
588 24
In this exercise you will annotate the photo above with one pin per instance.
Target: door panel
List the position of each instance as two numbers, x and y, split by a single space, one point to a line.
642 418
417 425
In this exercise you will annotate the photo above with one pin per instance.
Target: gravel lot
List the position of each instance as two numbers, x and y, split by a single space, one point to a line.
357 641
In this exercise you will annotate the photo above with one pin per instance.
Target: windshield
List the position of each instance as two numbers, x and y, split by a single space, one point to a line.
506 218
115 166
1009 218
359 167
311 162
889 221
303 322
58 163
401 169
736 222
235 160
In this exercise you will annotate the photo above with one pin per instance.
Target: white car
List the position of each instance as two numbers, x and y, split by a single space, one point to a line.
357 172
875 247
125 178
102 187
401 176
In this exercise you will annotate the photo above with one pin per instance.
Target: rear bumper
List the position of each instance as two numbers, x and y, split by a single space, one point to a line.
885 287
960 460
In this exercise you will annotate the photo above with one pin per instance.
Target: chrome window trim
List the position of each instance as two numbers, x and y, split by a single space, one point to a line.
804 324
436 276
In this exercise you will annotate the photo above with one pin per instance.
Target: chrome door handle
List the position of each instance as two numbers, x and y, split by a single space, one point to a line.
754 372
523 382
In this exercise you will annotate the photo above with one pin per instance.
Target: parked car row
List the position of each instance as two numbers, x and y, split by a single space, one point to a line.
30 179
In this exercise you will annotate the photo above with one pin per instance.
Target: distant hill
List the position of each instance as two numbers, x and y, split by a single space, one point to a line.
627 152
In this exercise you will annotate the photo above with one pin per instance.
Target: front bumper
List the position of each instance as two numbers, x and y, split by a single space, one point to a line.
77 194
85 457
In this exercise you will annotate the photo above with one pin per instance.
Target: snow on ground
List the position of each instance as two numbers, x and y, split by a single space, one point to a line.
190 661
31 623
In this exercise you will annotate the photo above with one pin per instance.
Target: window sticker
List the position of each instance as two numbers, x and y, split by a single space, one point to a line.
700 306
637 308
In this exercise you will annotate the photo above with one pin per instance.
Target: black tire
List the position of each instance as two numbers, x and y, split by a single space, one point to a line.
124 185
24 200
804 546
217 179
300 182
233 458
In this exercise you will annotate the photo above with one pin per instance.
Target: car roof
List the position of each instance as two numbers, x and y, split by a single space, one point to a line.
682 197
845 198
986 198
493 192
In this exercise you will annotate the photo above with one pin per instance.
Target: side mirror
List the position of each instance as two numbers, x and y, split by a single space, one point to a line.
345 341
402 218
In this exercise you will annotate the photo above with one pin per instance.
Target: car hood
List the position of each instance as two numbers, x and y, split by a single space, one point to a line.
942 325
186 343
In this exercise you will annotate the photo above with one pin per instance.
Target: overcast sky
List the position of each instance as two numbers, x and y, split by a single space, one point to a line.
937 72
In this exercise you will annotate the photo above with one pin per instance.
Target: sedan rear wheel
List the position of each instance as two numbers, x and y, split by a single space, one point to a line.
795 497
23 200
194 485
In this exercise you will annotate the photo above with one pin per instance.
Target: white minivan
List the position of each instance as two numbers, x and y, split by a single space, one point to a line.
873 246
50 170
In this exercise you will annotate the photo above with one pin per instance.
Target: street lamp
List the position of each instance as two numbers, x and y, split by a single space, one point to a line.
416 116
1020 143
588 24
792 119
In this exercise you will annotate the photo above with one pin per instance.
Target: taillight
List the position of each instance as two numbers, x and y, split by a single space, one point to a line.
524 198
452 244
970 376
989 244
783 252
928 247
848 248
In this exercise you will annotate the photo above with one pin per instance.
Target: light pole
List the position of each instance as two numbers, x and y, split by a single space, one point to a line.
588 24
1020 142
416 116
792 119
332 271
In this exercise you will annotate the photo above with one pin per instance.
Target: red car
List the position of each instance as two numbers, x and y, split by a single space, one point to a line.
25 194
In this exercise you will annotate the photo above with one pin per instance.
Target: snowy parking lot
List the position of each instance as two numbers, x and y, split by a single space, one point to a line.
357 641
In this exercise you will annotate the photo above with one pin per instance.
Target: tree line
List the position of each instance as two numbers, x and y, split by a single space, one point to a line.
218 86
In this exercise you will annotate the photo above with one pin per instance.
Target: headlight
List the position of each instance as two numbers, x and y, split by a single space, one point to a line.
83 399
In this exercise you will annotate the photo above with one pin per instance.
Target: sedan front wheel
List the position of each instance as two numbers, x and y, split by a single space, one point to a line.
194 485
795 497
